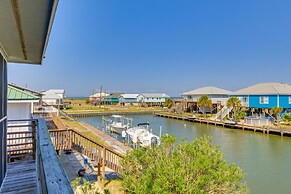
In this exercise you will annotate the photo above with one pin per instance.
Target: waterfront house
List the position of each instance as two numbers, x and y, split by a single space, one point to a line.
154 99
265 96
218 97
25 28
53 97
20 107
97 97
130 99
113 98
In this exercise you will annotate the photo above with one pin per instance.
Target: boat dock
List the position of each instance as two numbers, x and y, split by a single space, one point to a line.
242 126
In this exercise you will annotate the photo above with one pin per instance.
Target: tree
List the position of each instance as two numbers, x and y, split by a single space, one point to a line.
235 103
196 167
287 118
204 102
169 103
276 111
241 114
87 101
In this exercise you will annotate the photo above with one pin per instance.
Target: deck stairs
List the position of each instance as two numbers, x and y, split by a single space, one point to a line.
223 113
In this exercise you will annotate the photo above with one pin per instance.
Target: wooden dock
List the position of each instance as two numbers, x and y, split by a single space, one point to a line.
20 178
96 114
240 126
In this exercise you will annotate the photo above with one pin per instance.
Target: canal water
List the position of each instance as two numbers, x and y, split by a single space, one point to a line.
265 159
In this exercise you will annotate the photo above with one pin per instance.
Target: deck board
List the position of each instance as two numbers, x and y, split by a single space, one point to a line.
20 178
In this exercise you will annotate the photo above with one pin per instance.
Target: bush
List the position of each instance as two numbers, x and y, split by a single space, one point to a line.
287 118
196 167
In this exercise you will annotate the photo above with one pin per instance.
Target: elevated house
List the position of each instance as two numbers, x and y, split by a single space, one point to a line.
265 96
97 97
218 97
112 98
130 99
53 97
154 99
24 33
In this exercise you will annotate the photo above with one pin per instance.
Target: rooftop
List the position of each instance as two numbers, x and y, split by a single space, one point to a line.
155 95
130 95
210 90
265 88
14 93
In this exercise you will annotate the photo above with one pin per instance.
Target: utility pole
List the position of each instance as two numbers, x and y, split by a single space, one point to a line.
100 97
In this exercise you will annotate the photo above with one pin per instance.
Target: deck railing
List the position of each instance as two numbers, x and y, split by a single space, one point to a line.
100 154
33 140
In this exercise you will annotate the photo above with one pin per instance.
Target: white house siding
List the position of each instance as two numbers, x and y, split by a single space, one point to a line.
19 111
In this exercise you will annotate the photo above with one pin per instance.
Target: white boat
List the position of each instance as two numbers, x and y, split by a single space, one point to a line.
142 136
119 123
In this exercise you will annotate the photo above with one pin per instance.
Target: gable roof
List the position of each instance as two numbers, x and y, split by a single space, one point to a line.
54 91
129 95
155 95
14 93
265 88
114 95
210 90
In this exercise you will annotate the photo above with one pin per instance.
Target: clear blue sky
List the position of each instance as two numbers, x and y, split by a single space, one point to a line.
163 46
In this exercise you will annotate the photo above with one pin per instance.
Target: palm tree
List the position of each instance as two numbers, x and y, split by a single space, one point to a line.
204 102
235 103
276 111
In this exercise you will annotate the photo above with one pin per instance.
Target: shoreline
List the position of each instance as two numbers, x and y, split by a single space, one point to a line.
93 114
280 132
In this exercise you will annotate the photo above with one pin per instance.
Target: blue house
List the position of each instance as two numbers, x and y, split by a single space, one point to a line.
265 96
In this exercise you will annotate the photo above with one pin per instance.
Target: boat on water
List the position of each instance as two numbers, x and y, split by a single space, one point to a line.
140 135
119 123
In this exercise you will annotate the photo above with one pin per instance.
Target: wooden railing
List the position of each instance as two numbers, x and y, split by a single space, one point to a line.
21 139
58 122
32 140
100 154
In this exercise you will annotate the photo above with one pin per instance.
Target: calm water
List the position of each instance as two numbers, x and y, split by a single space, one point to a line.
265 159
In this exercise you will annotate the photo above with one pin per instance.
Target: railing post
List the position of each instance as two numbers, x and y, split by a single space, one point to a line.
103 163
33 130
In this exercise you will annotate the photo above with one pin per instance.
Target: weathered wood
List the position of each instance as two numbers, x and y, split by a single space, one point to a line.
20 177
51 172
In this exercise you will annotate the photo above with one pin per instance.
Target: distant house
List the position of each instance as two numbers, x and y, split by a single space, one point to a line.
97 97
130 99
54 97
265 96
20 107
154 99
112 98
218 97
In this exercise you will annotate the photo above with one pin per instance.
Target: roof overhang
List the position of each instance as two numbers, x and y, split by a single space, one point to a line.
25 26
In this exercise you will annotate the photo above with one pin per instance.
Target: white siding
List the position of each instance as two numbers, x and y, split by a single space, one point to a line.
17 111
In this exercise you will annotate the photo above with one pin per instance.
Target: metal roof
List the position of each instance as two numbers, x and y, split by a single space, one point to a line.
14 93
113 95
210 90
25 28
155 95
265 89
129 95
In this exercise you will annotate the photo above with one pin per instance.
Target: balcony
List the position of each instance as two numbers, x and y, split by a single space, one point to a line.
33 165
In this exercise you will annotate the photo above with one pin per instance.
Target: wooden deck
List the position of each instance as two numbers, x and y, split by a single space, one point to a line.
20 178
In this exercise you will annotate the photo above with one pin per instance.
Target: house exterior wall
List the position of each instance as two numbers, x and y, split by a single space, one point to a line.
51 101
130 100
17 111
214 98
253 101
153 100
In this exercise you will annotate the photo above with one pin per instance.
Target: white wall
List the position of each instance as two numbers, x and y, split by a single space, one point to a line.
16 111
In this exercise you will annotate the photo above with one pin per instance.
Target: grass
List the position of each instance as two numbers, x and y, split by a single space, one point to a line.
80 106
84 131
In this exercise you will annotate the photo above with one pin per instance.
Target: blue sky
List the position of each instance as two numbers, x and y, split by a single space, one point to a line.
162 46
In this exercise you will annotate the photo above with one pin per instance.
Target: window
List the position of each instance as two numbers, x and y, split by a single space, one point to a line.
264 100
289 99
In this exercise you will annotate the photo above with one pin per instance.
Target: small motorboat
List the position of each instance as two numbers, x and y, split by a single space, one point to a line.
119 123
141 135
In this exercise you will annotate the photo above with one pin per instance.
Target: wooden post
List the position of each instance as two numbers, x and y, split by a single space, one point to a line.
33 130
103 163
99 171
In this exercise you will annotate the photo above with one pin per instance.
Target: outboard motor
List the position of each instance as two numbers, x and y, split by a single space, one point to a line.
154 141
